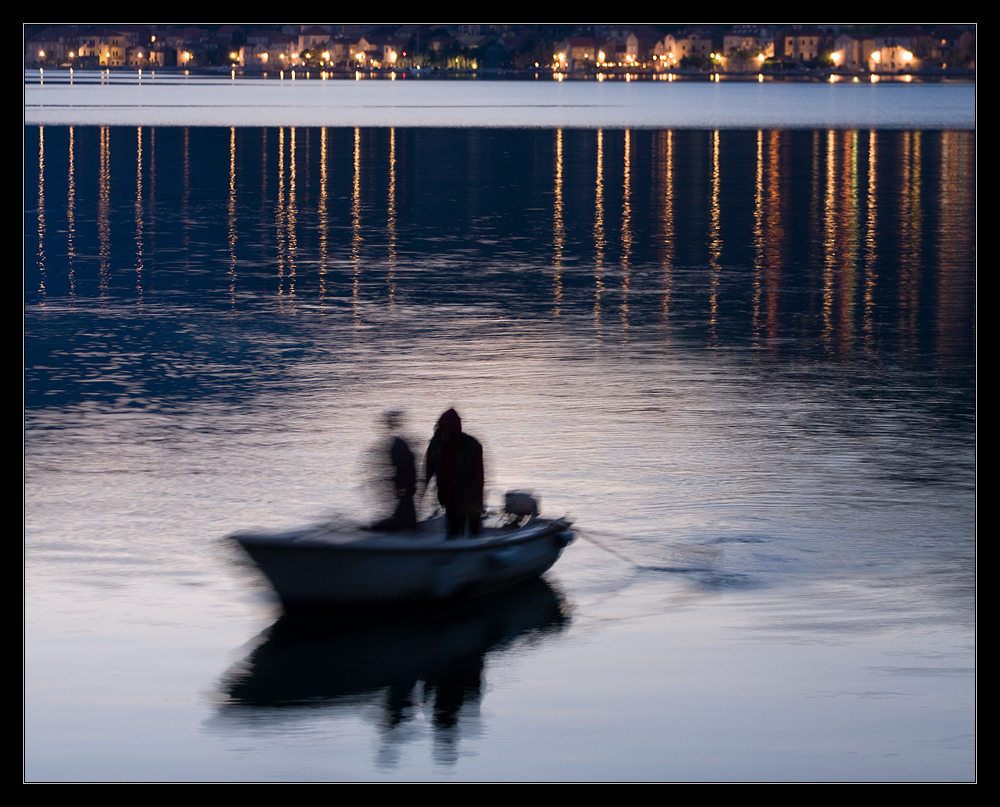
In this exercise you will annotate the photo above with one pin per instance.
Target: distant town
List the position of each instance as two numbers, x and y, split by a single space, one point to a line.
576 51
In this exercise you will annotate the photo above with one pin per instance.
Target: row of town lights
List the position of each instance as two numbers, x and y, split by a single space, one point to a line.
630 60
876 56
107 55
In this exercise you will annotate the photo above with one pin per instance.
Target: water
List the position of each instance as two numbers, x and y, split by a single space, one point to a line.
742 360
58 97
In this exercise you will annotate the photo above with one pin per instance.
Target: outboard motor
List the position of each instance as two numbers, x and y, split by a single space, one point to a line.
519 506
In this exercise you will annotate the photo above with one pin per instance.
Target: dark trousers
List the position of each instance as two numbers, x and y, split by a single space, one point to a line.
458 519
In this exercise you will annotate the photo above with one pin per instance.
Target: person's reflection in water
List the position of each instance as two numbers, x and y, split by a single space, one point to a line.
454 693
457 686
456 459
404 478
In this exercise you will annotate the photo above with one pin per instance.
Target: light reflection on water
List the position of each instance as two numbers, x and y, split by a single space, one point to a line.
741 361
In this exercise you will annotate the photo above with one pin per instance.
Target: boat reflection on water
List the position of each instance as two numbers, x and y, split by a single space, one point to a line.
414 662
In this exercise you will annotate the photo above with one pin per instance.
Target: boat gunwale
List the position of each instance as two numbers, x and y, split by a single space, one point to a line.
399 543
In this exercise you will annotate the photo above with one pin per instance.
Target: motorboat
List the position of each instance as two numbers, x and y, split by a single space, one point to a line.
330 565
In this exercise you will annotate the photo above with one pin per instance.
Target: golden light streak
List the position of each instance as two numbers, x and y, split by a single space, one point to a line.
871 246
186 198
558 227
71 215
840 241
232 228
356 237
291 217
104 213
599 233
391 220
665 195
626 231
323 213
758 238
714 239
829 241
40 255
139 240
280 215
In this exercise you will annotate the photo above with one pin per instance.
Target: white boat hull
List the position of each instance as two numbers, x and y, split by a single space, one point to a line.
320 566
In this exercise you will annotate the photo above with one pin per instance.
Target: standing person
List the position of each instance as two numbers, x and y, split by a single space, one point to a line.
456 459
404 478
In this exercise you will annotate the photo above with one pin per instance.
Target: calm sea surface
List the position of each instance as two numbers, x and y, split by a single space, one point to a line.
740 355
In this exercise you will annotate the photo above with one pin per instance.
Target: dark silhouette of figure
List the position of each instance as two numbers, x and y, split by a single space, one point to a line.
404 480
456 459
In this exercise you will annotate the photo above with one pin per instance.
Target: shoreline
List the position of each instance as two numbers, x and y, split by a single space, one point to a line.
958 76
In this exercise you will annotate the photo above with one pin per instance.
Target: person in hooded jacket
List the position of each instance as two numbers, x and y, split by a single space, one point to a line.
456 459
